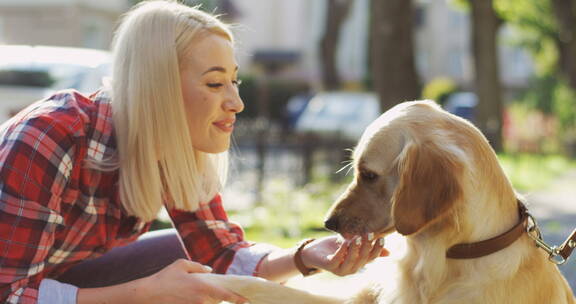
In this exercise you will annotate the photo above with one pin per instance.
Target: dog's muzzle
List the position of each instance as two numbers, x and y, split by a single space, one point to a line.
332 224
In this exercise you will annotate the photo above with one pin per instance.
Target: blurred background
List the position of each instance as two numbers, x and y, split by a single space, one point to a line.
315 73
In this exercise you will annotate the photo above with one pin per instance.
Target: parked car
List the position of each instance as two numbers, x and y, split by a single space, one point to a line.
294 108
341 114
347 114
462 104
30 73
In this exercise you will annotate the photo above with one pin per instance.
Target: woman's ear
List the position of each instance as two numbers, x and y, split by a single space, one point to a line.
428 187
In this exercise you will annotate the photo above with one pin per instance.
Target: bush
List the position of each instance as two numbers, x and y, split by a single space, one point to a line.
553 96
439 89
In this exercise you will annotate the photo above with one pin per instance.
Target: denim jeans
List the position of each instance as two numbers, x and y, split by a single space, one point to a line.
149 254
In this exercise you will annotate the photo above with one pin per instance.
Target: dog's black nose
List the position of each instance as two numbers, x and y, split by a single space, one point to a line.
331 223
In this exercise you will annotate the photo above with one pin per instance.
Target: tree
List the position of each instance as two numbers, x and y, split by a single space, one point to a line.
336 13
546 28
485 25
565 12
393 69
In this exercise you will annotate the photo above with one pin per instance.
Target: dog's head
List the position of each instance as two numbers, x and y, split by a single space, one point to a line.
407 172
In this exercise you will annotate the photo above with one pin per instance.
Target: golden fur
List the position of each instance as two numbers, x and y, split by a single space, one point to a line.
434 178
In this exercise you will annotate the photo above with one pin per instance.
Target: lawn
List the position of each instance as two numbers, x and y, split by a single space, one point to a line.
530 172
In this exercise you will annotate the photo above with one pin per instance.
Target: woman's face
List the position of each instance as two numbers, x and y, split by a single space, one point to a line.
210 90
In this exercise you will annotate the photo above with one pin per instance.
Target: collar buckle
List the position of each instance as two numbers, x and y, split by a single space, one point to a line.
533 231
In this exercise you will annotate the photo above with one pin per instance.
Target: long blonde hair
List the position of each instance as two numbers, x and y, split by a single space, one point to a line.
156 160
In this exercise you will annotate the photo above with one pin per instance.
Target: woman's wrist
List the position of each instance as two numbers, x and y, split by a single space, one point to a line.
302 261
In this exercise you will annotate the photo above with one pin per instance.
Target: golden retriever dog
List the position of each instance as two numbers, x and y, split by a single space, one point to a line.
433 177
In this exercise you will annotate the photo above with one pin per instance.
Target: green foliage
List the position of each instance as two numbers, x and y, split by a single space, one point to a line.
536 27
541 93
529 172
541 136
553 96
439 89
564 105
538 32
463 5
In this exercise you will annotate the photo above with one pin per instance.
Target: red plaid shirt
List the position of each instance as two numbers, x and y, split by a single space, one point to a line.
55 212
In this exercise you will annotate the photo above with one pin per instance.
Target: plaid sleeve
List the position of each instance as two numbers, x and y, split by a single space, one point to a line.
35 164
209 237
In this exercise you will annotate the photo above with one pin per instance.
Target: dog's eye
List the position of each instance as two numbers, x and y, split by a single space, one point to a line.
368 176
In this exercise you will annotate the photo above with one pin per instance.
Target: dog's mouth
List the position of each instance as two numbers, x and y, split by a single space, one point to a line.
386 231
347 236
377 234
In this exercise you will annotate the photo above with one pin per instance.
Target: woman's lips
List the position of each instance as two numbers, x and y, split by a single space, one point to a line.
226 125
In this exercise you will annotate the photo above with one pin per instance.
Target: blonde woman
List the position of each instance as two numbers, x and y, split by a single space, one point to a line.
82 177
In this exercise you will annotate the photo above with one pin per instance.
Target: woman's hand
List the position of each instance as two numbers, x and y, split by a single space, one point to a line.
343 257
181 282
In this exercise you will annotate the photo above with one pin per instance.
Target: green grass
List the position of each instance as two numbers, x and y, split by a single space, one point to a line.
529 172
287 213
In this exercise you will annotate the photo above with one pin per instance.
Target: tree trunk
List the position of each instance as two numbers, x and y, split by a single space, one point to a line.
392 63
336 13
485 24
565 11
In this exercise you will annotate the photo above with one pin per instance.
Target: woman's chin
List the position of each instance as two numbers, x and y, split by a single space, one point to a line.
213 149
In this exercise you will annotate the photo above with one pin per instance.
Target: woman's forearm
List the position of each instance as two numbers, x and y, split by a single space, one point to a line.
130 292
278 265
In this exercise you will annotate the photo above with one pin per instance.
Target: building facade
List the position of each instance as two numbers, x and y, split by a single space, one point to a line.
276 28
442 40
77 23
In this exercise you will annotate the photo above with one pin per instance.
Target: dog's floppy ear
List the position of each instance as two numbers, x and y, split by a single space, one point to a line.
427 188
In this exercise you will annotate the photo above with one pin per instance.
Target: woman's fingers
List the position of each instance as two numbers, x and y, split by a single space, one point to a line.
361 251
378 250
338 257
346 257
215 293
364 252
185 281
347 265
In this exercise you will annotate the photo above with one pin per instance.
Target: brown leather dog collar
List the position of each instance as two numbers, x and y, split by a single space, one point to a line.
486 247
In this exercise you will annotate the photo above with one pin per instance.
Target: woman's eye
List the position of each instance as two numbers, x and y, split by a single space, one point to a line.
237 82
214 85
368 176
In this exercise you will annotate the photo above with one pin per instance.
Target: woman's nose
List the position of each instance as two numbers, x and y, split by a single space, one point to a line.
234 103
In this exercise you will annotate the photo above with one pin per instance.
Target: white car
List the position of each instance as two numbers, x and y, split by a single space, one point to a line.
30 73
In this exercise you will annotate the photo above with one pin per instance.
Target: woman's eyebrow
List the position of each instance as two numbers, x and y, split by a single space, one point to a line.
218 69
